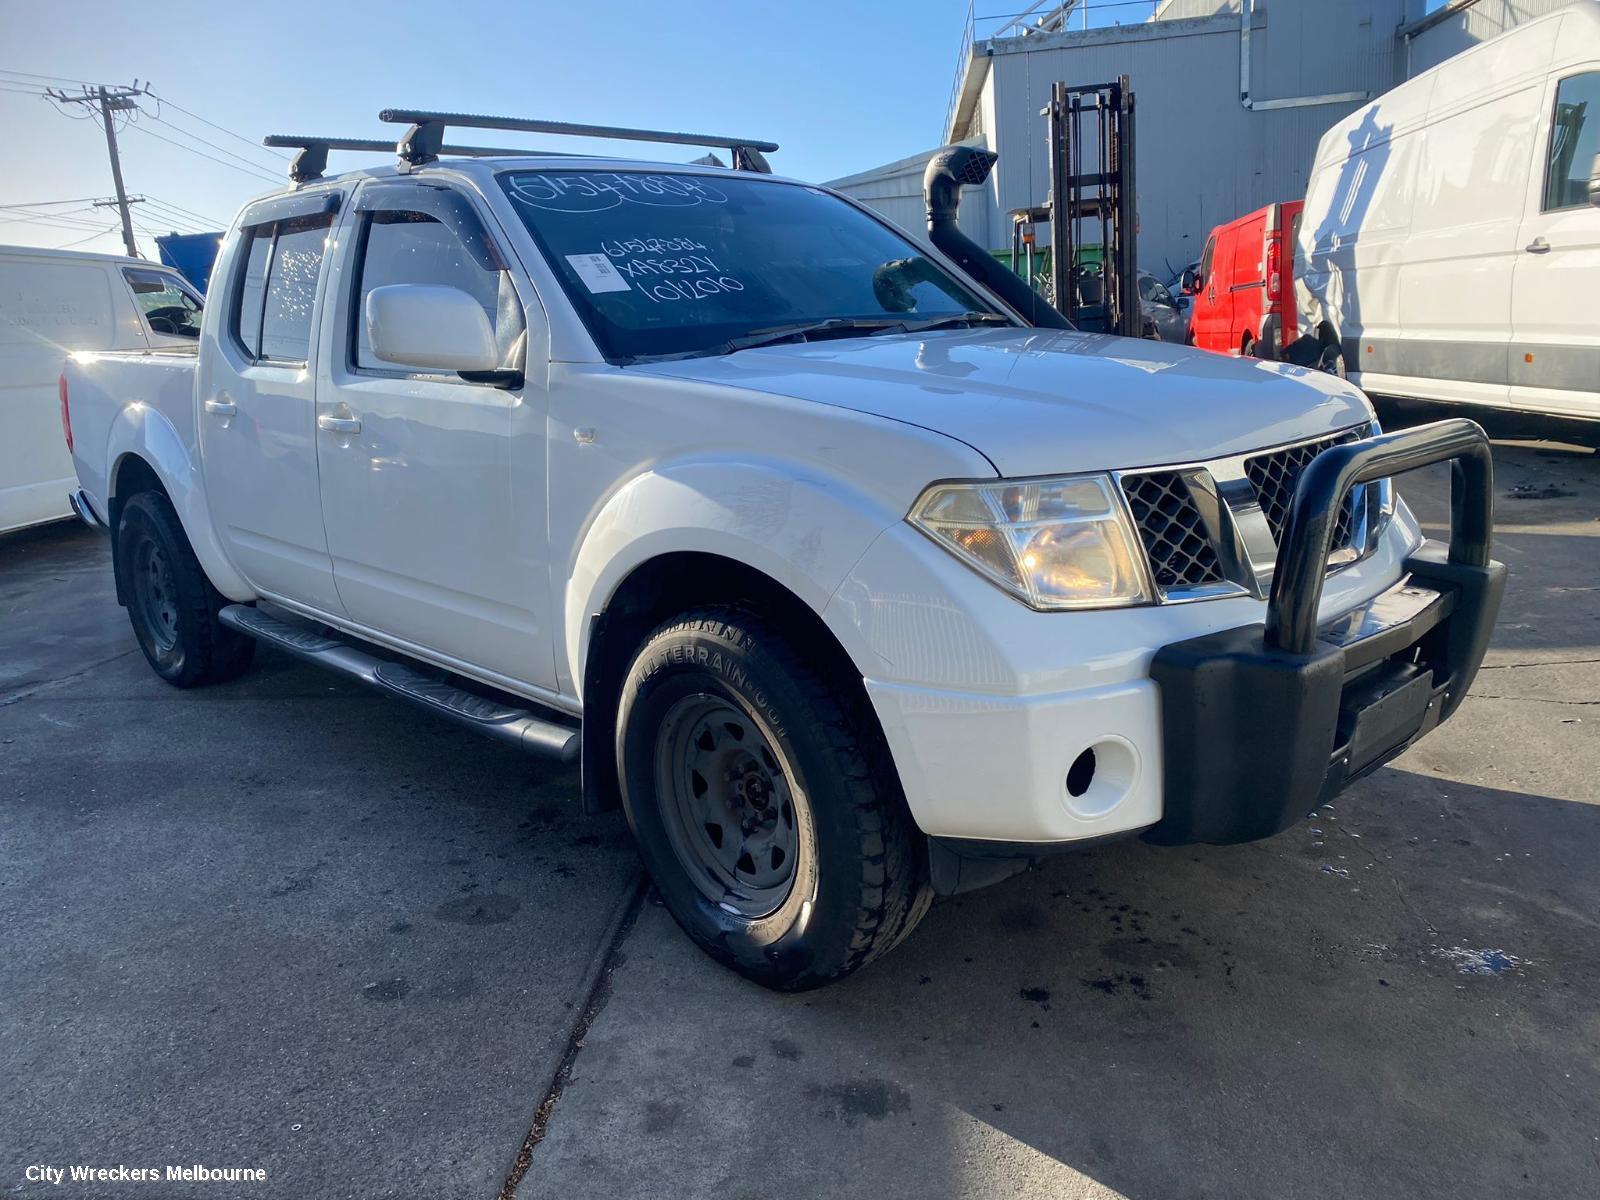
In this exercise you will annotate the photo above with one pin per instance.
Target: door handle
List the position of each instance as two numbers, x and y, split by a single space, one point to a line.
221 406
338 424
1538 246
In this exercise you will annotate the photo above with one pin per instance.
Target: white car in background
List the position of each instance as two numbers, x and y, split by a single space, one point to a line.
53 302
1450 241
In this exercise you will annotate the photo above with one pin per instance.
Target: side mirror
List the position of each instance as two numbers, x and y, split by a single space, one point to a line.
1594 182
431 328
1190 284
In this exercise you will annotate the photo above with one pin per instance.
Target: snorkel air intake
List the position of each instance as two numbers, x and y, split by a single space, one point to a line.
948 171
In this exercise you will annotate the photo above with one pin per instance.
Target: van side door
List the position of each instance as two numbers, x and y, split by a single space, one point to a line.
1246 282
256 394
1554 363
433 486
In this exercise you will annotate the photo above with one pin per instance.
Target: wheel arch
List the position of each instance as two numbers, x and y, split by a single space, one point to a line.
144 452
664 586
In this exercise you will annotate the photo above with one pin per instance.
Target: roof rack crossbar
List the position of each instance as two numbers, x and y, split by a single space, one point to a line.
423 141
312 160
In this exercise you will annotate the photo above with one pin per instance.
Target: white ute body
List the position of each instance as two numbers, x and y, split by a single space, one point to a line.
482 529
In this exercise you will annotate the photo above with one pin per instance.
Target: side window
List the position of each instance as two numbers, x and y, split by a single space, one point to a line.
278 288
1205 260
403 247
1574 141
166 305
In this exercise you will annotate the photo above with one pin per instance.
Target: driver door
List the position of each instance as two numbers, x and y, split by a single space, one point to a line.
433 487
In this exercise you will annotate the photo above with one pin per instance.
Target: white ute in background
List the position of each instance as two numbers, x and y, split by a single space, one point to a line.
53 302
845 568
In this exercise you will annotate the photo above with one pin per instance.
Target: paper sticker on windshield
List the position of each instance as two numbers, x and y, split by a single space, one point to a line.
597 273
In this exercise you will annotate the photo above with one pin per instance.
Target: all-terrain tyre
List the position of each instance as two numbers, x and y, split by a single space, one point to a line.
764 803
171 603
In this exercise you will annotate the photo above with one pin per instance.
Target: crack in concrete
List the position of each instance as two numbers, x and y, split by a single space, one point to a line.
1531 699
34 687
1552 662
606 961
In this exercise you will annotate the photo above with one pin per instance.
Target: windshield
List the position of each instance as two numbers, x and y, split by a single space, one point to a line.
671 264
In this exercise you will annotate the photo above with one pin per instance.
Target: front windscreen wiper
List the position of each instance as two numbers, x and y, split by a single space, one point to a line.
958 320
804 331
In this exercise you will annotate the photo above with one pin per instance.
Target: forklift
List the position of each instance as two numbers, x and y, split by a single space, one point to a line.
1092 122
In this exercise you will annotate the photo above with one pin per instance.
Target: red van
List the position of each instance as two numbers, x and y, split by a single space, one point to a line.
1244 289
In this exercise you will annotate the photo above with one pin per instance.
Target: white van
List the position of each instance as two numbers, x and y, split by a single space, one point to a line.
53 302
1450 243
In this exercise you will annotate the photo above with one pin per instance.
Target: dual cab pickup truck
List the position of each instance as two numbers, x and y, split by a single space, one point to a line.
847 570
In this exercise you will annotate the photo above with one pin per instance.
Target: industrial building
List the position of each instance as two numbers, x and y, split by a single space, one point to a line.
1232 97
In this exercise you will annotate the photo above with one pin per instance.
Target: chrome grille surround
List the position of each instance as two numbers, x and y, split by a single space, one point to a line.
1222 503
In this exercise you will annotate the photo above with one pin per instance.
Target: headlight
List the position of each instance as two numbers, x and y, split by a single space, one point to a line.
1052 543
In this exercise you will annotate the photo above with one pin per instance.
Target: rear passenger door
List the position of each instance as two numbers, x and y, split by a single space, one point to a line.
1554 364
433 487
256 396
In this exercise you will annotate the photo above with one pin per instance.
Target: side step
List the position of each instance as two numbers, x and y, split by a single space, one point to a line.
519 726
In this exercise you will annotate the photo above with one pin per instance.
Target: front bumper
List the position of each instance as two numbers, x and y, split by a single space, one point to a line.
1262 724
1222 729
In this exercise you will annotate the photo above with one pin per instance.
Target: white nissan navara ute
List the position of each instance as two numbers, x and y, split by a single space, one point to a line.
843 565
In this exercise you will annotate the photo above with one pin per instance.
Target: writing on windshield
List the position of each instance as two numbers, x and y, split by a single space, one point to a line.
659 263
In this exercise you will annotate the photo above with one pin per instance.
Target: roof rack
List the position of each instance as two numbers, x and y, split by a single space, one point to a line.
424 141
312 160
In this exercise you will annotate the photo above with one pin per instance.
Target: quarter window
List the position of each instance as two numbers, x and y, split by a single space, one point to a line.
404 247
278 288
166 305
1574 141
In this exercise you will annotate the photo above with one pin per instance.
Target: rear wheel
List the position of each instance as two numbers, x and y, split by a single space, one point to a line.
764 805
171 604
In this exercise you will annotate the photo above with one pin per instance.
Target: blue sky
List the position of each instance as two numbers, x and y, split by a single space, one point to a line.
841 86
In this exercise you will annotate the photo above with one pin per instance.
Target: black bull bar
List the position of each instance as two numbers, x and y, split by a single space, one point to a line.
1263 723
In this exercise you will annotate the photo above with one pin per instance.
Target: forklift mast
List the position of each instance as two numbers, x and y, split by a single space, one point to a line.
1092 203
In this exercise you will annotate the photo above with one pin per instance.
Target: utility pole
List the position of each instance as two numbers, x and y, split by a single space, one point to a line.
111 100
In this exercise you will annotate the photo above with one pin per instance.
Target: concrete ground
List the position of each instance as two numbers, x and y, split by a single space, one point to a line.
288 924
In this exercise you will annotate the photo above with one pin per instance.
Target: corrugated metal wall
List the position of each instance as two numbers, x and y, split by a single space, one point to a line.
1484 20
1202 158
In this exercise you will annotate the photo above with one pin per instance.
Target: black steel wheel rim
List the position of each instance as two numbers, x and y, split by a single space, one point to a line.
156 593
729 804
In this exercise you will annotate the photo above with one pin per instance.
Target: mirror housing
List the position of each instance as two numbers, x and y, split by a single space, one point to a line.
1190 283
430 328
1594 182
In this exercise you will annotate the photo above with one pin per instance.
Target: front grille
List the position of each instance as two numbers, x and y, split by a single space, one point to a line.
1274 475
1174 537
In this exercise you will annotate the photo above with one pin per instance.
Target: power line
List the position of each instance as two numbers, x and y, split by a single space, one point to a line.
48 203
109 229
220 149
49 78
182 222
220 128
258 173
187 212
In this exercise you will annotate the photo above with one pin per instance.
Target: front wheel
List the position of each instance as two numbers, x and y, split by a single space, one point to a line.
764 805
171 603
